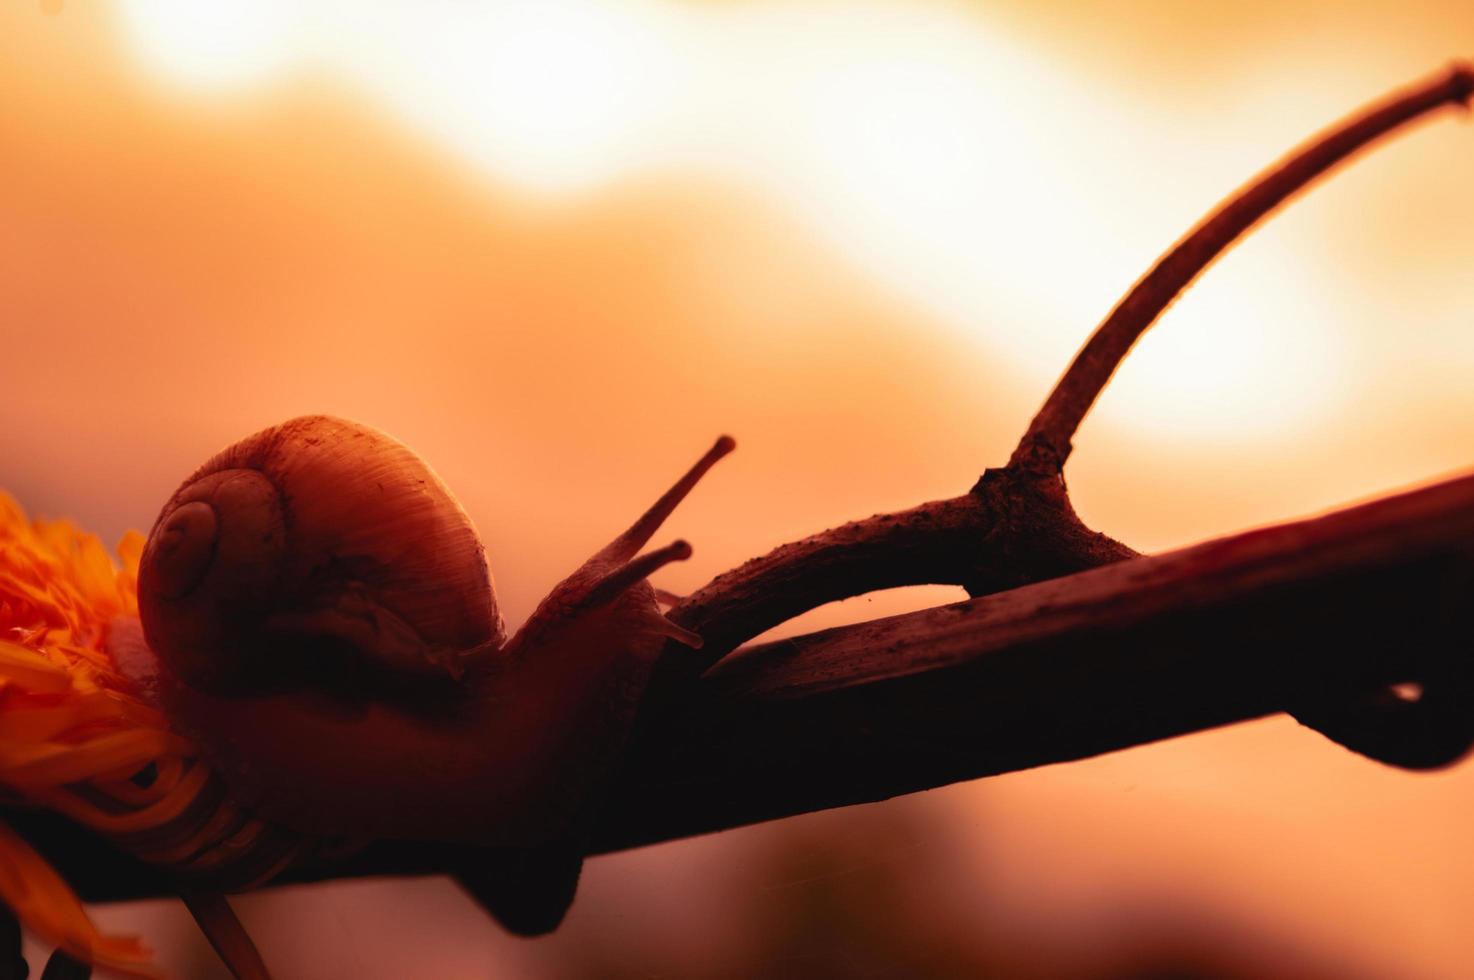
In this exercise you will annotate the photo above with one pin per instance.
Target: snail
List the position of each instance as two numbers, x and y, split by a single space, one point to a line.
318 616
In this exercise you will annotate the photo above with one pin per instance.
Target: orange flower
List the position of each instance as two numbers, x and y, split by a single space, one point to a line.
71 735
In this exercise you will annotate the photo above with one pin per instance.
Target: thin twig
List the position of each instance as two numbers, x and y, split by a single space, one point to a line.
1005 533
1046 445
218 921
1017 525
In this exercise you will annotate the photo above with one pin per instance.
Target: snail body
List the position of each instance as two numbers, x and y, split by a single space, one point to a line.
319 617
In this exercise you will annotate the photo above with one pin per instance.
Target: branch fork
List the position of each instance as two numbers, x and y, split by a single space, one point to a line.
1017 526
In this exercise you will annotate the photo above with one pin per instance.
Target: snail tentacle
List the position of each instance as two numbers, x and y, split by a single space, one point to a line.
635 570
320 619
628 544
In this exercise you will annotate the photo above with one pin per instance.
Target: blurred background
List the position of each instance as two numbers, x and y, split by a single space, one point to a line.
557 247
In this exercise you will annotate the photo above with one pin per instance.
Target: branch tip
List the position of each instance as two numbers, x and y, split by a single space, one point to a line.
1461 82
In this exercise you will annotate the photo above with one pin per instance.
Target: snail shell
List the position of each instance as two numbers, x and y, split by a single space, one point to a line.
322 623
316 541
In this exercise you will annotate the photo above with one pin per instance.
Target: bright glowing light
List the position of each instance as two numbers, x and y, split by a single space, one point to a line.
555 96
915 141
1248 351
222 44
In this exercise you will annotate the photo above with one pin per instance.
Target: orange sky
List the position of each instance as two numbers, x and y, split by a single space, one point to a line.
802 263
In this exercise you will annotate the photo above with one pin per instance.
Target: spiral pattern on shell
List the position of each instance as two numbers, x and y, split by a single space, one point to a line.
319 534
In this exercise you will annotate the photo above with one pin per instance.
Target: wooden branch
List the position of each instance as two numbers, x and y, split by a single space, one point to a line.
1010 530
1104 650
1133 652
1046 445
1130 653
1016 526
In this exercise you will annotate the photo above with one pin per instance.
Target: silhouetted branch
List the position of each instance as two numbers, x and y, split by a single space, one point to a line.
1130 653
1046 445
1005 533
1137 651
1017 525
1078 646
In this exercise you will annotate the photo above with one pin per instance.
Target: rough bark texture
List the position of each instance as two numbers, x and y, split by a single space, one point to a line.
1011 529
